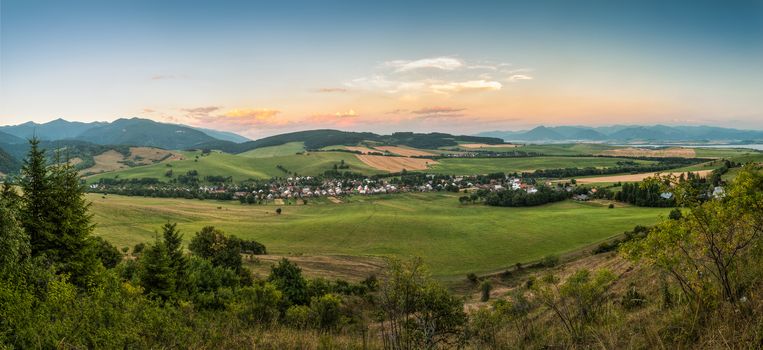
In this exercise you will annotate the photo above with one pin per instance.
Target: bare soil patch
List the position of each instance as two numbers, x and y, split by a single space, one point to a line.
352 268
395 164
633 177
107 161
645 152
485 145
150 155
407 152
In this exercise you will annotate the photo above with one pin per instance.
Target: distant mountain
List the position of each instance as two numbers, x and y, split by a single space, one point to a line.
145 132
134 132
224 135
58 129
10 139
625 133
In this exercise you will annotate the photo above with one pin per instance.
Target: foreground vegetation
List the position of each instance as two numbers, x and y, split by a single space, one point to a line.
690 281
433 226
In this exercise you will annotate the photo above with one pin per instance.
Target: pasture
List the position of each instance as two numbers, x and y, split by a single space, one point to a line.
453 239
464 166
242 168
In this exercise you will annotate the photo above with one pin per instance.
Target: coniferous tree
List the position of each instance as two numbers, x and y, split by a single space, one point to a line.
156 274
54 213
173 240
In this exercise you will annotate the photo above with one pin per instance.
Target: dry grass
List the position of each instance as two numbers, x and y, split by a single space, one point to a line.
633 177
645 152
351 268
395 164
112 160
406 152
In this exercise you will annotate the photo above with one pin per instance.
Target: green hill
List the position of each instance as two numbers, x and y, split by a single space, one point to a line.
8 164
317 139
275 151
243 168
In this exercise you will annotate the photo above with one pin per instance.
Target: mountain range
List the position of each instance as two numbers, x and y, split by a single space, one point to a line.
629 133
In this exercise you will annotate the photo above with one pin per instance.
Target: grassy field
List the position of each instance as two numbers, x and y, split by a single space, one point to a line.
243 167
452 239
463 166
286 149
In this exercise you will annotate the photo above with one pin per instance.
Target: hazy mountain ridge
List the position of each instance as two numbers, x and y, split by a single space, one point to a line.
133 131
629 133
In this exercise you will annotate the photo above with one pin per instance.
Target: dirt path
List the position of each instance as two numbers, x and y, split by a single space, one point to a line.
395 164
334 200
632 177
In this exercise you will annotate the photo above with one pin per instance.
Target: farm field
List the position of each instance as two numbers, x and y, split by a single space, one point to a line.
631 177
242 168
451 238
463 166
275 151
396 164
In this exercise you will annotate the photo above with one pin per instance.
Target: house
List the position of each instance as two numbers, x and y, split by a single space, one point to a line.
718 192
666 195
580 197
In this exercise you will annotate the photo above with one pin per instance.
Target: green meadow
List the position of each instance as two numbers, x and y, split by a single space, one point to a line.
453 239
463 166
243 167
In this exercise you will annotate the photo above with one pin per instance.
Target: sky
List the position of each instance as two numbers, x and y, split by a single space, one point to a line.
260 68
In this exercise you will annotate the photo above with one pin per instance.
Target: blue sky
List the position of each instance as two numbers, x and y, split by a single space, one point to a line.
261 68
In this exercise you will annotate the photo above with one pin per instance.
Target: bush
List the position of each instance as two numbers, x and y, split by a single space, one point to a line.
549 261
486 287
259 303
325 311
472 277
298 316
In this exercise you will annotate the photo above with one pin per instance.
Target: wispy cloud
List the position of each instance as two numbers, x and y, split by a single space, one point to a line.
472 85
444 76
437 110
443 63
200 111
339 119
519 77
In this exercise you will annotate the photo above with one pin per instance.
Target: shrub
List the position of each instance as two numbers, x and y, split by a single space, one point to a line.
485 287
472 277
549 261
298 316
325 311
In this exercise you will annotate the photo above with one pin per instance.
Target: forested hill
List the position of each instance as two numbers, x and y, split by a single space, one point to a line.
8 164
315 139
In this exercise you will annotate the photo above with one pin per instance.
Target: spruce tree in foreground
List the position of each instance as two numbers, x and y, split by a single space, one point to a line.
173 241
156 274
54 213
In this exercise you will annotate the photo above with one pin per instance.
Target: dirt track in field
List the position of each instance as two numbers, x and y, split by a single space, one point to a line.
407 152
632 177
395 164
644 152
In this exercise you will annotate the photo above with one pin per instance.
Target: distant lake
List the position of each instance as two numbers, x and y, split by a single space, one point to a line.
755 146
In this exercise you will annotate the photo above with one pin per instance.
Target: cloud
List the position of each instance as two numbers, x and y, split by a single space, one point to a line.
200 111
338 119
471 85
330 90
519 77
437 110
254 114
443 63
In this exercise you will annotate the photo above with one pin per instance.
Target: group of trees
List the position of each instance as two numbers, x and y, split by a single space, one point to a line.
520 197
